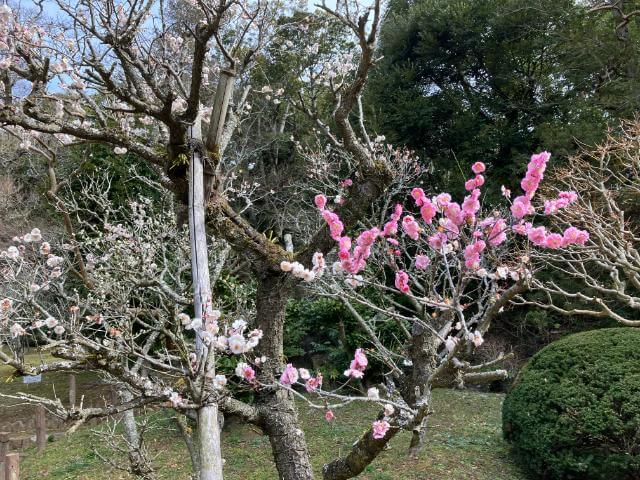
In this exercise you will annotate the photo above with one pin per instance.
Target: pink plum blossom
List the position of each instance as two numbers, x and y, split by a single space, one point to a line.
380 429
478 167
422 262
402 281
289 376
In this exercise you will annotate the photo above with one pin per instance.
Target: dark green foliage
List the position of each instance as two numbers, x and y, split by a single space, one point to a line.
574 413
495 80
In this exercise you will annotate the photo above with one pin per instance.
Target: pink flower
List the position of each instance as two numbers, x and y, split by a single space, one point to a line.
329 416
419 196
313 383
380 429
572 235
478 167
411 227
402 281
428 210
521 207
422 262
553 241
360 359
358 365
471 205
320 201
454 213
245 371
436 241
289 376
442 200
497 233
347 182
537 235
522 228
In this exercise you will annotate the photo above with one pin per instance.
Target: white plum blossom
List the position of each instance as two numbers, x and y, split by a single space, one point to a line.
236 344
59 330
6 304
51 322
54 261
219 382
184 319
373 393
17 330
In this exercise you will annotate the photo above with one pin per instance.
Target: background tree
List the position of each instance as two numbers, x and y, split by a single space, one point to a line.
495 80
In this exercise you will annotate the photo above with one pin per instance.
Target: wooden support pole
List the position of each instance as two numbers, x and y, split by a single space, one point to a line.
4 449
12 466
4 445
41 429
72 391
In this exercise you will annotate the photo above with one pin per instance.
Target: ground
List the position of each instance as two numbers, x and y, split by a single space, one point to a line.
464 443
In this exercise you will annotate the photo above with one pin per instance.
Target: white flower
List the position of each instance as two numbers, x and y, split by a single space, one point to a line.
286 266
54 261
214 315
373 393
34 287
481 272
50 322
389 410
5 304
38 324
240 369
221 342
502 272
119 150
45 248
17 330
236 344
36 236
336 268
219 382
354 280
13 252
239 324
251 343
297 269
59 330
308 275
184 319
450 343
477 338
304 373
196 324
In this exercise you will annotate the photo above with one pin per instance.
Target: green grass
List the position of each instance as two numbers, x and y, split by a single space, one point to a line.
55 384
463 443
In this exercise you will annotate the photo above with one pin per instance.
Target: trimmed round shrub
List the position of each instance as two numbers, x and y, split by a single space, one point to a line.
574 410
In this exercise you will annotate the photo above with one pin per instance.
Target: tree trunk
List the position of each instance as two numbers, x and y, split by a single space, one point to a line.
139 463
277 409
208 430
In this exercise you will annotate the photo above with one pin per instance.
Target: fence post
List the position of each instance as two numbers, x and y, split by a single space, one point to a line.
4 449
12 466
41 429
72 391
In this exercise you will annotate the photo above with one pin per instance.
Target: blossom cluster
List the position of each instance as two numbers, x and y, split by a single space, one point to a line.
457 226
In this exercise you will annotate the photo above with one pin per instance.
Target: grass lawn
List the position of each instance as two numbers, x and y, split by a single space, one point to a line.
55 384
464 443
